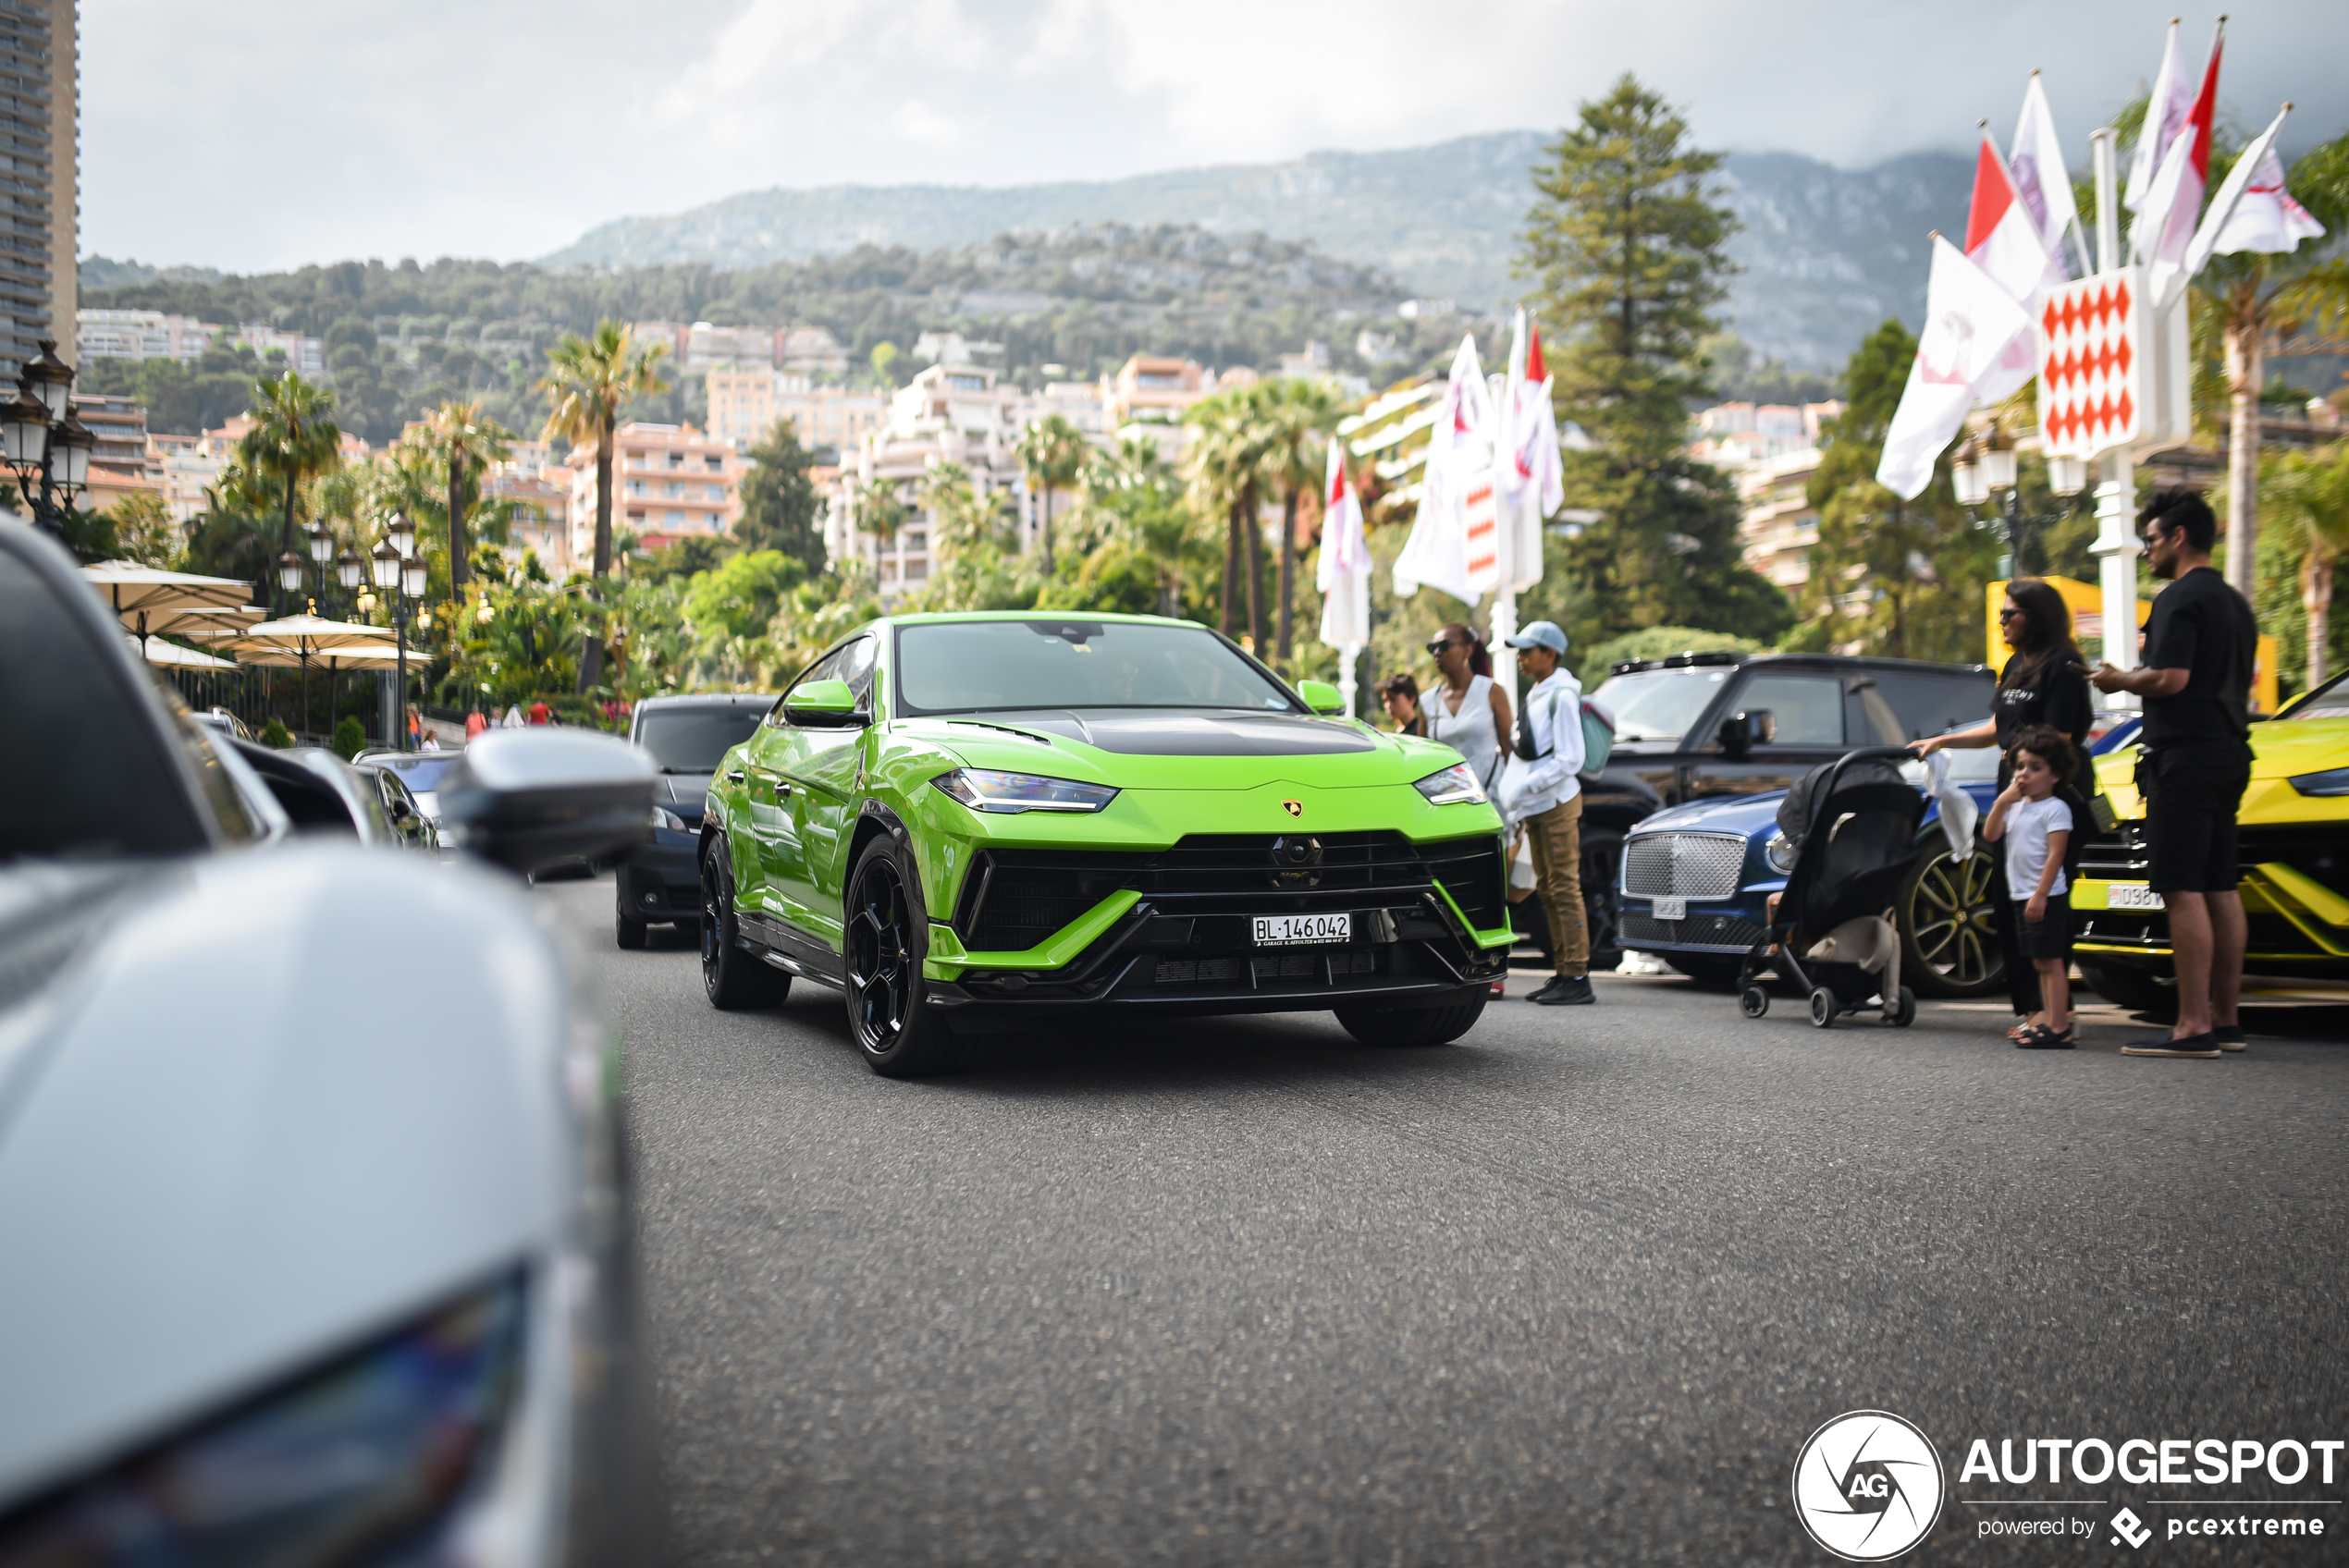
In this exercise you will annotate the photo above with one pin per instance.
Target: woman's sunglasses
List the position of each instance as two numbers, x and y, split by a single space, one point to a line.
1440 644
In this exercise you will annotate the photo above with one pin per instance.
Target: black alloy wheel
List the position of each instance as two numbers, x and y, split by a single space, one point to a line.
886 933
1949 944
1376 1025
734 979
1602 863
2140 989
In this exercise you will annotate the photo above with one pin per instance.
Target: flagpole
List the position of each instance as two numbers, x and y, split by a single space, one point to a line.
2116 547
1504 526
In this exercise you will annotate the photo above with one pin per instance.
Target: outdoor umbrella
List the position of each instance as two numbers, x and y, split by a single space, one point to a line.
142 597
298 638
182 659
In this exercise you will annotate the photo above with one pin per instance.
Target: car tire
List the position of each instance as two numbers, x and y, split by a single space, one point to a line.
1376 1025
736 981
1602 864
884 939
1949 945
629 934
2139 990
1710 973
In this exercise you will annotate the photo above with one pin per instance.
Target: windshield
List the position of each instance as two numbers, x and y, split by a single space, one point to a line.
975 666
1659 705
418 770
691 739
2328 701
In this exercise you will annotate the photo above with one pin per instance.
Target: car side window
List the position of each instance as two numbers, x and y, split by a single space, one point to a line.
1805 710
1934 704
856 667
822 669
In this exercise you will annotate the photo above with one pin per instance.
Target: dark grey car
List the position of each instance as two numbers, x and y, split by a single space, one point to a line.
660 881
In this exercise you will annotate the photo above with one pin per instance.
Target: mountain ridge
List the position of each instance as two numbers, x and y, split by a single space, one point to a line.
1825 253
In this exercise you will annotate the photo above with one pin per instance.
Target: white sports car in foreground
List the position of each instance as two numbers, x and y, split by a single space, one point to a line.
311 1204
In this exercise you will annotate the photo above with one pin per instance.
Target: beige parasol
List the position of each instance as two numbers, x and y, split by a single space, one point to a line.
306 639
147 598
172 654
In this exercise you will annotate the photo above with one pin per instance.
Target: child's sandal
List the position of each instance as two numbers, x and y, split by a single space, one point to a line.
2039 1037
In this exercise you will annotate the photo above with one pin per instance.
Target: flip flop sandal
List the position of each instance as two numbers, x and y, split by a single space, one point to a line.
2039 1037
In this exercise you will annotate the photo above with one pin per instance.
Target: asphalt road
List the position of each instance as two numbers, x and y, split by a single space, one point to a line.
1574 1290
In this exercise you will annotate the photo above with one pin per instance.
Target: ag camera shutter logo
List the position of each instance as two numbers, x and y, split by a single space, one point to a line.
1869 1485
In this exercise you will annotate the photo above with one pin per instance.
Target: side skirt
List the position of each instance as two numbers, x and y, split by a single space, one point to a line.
790 949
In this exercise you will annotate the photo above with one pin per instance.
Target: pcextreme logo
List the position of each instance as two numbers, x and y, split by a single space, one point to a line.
1869 1485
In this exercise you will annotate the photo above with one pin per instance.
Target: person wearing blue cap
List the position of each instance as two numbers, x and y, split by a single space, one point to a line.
1541 794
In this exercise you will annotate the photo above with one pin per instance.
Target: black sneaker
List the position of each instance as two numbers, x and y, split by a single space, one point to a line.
2230 1036
2205 1045
1567 990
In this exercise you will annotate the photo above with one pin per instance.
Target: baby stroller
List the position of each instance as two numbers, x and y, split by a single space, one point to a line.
1854 824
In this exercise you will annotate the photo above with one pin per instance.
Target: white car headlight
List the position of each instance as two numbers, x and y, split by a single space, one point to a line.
1779 852
379 1447
1454 786
664 818
985 789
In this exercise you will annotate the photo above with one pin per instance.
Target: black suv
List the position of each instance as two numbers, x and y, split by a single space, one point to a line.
1696 726
660 881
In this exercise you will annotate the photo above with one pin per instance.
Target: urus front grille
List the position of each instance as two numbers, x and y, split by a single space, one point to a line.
1014 898
1683 865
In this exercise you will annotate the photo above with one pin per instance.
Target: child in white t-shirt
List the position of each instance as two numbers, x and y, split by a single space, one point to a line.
2036 825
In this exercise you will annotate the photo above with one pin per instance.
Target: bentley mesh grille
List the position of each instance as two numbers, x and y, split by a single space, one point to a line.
1711 932
1683 865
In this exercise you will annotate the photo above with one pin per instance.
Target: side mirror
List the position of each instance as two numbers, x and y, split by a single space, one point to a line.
527 798
824 705
1322 697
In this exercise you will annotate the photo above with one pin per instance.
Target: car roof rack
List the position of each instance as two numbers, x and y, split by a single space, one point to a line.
1690 660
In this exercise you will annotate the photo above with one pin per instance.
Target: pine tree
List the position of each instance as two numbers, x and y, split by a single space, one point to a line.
781 508
1628 243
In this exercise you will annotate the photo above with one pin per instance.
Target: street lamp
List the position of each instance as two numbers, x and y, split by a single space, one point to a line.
1965 476
1986 465
41 438
401 577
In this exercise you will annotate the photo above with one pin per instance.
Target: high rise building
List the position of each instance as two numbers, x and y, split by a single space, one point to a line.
39 106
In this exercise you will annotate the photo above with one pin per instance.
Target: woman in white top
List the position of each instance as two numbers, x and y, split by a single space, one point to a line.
1469 712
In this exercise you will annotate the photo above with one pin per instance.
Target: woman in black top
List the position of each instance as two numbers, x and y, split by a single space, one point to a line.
2045 681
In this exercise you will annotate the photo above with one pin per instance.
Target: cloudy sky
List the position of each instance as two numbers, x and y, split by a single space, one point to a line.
268 133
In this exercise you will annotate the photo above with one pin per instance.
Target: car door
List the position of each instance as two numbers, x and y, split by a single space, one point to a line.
767 804
1805 724
827 778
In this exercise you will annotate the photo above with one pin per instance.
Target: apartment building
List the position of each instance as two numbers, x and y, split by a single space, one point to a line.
144 335
540 519
1780 526
949 414
812 350
118 464
745 403
1733 436
40 110
187 465
307 355
671 482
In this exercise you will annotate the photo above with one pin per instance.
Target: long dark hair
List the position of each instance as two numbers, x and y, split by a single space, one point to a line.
2053 641
1480 658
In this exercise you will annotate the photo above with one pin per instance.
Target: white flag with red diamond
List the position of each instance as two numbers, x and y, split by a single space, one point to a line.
2093 364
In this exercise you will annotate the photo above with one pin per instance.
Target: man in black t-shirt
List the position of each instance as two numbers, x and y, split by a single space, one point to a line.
2200 642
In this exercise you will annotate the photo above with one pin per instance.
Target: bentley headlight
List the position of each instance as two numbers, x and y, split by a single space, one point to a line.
2332 782
983 788
664 818
374 1453
1454 786
1779 852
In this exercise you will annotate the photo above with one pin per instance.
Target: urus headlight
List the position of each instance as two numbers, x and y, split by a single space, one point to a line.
374 1453
664 818
983 788
1779 852
2332 782
1454 786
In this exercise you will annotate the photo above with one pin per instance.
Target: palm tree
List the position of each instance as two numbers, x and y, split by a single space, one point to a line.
2249 297
291 439
589 380
1052 451
2310 493
1298 415
879 514
464 437
1223 467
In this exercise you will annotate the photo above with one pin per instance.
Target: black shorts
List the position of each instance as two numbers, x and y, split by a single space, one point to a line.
2190 821
2052 937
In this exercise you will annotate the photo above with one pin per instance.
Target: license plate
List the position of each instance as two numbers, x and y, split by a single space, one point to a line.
1671 909
1299 930
2131 895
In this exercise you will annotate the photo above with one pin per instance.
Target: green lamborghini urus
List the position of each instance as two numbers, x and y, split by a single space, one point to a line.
974 824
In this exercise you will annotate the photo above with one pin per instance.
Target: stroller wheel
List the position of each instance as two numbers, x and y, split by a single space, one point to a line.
1824 1007
1754 1001
1904 1010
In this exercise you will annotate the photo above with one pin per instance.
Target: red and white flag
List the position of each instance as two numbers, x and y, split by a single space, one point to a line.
1459 446
2165 113
2164 226
2253 211
1531 479
2042 180
2002 238
1970 323
1344 573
